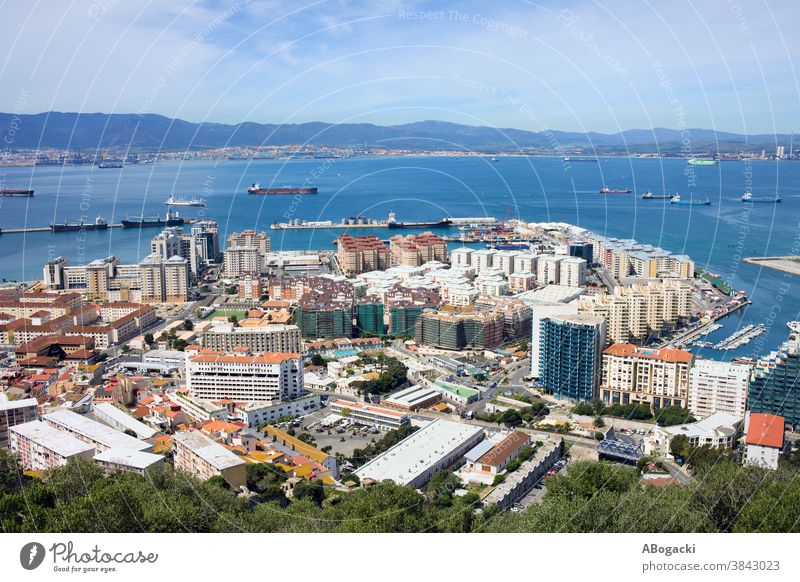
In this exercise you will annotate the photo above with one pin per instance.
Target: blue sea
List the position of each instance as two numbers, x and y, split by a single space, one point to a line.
429 188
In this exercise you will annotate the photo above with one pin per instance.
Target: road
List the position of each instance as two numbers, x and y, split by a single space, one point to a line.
678 473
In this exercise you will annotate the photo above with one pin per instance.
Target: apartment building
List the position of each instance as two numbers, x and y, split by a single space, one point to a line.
153 280
415 250
361 254
241 260
775 383
716 386
656 377
14 412
244 378
570 351
270 338
634 311
458 330
198 455
572 272
40 446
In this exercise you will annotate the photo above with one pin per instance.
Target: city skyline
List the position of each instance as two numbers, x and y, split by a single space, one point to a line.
577 67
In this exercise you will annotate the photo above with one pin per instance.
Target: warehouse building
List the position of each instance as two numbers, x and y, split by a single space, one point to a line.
414 460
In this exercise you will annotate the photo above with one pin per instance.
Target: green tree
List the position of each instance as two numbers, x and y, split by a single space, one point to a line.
672 415
312 490
680 447
149 339
188 325
317 360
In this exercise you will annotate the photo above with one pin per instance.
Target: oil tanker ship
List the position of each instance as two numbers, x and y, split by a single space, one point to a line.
257 189
146 222
98 224
15 193
748 197
392 223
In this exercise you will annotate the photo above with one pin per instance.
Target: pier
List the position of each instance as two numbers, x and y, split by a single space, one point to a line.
363 222
45 229
787 264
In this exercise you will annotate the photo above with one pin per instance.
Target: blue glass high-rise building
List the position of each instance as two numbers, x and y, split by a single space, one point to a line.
775 384
570 355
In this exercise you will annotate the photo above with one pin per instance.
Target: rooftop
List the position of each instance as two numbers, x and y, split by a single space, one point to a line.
93 430
51 438
418 452
213 453
765 430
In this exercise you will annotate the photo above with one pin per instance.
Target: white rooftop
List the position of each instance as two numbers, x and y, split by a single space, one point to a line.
719 423
418 452
558 293
51 438
94 431
6 404
142 430
129 458
411 396
213 453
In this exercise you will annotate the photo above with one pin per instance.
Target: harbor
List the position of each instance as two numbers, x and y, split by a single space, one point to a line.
740 337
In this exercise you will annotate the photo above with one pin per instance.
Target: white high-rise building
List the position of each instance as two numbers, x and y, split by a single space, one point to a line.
482 259
572 272
242 260
461 257
548 270
266 377
718 387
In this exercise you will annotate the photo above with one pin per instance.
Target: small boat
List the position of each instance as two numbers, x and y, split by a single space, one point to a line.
495 160
183 202
748 197
650 196
703 162
691 202
607 190
794 326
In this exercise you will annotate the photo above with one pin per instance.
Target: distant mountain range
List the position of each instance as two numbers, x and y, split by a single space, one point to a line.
82 131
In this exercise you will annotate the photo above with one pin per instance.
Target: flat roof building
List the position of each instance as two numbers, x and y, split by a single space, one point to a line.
92 432
121 420
413 398
39 446
366 414
200 456
413 461
14 412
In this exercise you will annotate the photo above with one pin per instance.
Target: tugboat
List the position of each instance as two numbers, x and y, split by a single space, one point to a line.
677 200
98 224
183 202
748 197
143 222
650 196
607 190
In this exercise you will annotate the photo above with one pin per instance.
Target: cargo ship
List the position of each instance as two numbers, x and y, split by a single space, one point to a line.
183 202
748 197
110 165
15 193
146 222
392 223
692 202
98 224
257 189
568 159
703 162
650 196
607 190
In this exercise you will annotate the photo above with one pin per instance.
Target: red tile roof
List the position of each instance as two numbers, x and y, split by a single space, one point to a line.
663 354
765 430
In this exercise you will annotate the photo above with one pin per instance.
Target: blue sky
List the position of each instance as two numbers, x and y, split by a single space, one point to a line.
581 66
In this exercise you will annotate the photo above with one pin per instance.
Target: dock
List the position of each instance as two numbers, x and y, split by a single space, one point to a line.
787 264
363 222
43 229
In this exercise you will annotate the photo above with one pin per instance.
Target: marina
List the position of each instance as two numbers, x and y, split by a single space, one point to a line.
741 337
